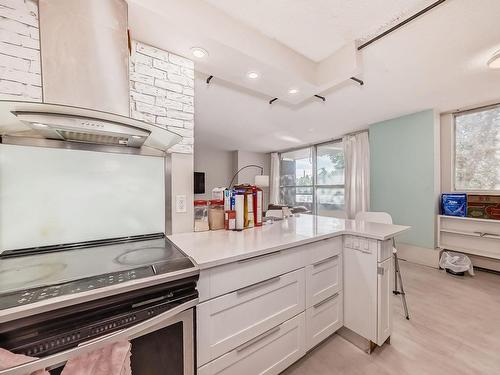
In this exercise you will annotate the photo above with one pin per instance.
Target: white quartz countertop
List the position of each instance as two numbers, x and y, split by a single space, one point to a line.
215 248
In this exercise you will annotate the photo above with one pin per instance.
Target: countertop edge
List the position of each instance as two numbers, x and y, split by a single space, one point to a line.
203 266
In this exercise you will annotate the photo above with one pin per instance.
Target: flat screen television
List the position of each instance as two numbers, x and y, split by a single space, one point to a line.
199 182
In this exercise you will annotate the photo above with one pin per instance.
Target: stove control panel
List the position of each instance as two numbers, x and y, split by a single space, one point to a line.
24 297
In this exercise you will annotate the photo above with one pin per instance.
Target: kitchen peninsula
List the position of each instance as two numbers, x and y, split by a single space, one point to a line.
270 294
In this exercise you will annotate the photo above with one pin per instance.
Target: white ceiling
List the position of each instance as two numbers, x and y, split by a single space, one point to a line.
436 61
318 28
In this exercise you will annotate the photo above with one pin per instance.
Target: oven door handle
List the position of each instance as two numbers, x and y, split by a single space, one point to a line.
98 343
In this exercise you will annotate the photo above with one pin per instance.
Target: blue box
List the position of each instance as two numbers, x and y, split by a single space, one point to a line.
454 204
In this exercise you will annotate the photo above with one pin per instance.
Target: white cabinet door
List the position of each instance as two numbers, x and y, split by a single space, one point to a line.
360 292
323 319
323 279
267 354
228 321
384 310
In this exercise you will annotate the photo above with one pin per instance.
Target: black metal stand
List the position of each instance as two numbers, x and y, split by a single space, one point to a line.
397 276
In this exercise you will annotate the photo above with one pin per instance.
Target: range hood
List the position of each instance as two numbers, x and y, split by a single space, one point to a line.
85 81
27 123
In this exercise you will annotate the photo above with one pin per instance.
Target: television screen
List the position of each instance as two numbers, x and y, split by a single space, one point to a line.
199 182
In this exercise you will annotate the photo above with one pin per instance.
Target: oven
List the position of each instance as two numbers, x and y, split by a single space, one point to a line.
158 321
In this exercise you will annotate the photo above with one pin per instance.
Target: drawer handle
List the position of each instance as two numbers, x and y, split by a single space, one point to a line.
258 257
325 300
325 260
255 340
258 285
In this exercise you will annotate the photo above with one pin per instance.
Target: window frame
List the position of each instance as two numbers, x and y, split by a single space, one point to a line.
454 152
314 186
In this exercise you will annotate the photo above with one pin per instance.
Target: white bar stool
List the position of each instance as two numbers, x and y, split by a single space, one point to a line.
385 218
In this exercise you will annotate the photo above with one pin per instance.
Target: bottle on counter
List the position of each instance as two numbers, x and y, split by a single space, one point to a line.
200 215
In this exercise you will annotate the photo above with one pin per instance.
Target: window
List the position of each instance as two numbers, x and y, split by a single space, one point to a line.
296 178
313 177
477 150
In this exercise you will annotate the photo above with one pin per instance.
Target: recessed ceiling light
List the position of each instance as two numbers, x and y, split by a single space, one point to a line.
38 125
494 62
136 137
253 75
199 52
293 91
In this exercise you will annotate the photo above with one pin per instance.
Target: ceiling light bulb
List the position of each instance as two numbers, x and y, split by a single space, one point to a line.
494 62
253 75
199 52
293 91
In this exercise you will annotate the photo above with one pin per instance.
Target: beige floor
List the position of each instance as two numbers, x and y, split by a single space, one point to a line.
454 329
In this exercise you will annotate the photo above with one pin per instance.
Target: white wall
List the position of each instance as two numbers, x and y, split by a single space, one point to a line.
217 165
182 184
247 176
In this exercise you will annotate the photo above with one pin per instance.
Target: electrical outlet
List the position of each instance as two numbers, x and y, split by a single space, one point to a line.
180 203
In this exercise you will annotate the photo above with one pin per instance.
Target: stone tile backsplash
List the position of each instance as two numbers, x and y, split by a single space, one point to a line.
20 77
162 91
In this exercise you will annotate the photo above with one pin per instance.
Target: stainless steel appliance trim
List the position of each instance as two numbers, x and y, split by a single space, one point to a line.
73 299
325 300
53 143
325 260
255 340
167 318
259 257
258 285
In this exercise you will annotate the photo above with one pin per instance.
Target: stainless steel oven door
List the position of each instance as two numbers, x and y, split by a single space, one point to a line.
180 316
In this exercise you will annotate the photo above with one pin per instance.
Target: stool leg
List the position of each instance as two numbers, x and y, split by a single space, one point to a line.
403 294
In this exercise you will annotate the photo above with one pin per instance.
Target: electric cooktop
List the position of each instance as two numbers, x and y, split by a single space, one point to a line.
43 273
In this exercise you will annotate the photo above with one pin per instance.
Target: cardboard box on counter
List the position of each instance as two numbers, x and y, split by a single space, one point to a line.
483 206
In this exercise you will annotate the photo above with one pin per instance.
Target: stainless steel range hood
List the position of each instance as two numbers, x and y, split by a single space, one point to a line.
29 123
85 75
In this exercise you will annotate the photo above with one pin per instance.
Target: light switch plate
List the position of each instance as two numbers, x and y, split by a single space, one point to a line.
180 203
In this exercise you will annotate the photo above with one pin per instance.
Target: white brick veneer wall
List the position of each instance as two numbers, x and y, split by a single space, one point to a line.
162 92
20 77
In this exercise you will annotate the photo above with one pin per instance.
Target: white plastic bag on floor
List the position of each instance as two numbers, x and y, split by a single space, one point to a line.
456 262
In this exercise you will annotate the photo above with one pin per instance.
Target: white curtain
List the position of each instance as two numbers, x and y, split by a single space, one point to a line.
274 191
357 173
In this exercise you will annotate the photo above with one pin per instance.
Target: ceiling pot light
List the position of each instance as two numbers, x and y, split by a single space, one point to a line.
494 62
293 91
39 125
253 75
199 52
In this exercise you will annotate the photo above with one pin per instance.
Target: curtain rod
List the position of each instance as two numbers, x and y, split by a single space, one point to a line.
320 143
473 109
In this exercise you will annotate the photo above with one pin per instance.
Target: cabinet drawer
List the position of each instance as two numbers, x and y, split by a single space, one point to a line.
320 250
230 277
269 353
228 321
323 319
323 279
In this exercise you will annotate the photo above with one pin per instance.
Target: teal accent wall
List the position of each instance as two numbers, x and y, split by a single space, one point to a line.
403 177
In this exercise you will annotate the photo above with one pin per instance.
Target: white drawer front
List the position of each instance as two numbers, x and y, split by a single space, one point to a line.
269 354
320 250
323 319
230 277
233 319
323 279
